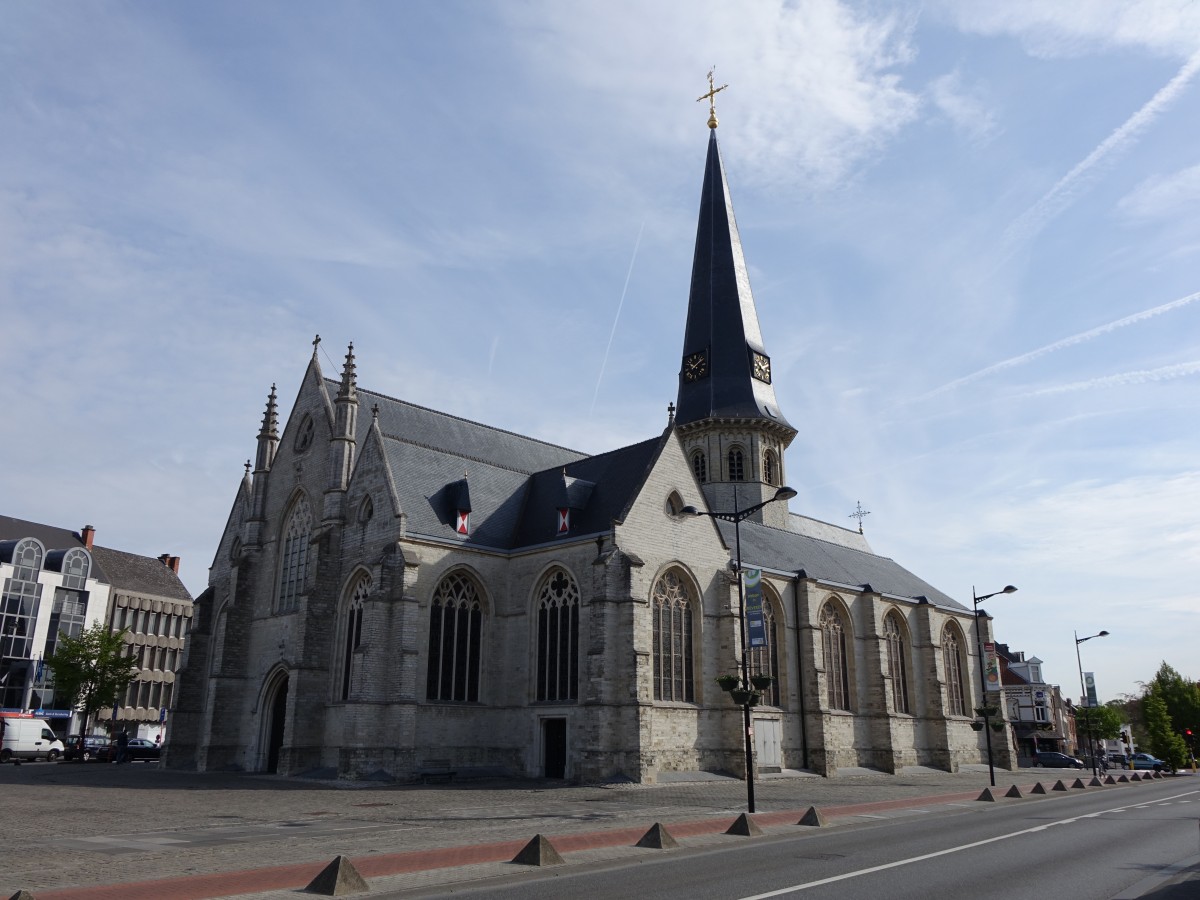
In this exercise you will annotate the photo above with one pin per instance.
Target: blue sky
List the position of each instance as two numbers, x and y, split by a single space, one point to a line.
971 228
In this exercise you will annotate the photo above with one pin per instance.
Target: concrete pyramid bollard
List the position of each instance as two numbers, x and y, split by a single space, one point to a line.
1095 782
745 826
22 895
813 817
1059 786
987 795
1110 780
1078 784
1135 777
338 879
1038 788
1123 779
658 838
1013 791
538 852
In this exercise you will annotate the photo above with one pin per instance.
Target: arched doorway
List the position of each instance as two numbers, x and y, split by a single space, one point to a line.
277 719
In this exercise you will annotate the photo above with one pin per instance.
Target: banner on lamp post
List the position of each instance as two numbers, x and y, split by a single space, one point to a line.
756 625
991 668
1089 681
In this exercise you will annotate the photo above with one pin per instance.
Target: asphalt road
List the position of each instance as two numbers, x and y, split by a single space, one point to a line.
1098 845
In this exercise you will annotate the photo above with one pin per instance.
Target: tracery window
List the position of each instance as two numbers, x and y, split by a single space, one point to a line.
671 607
353 627
765 660
455 640
293 568
833 641
952 657
557 638
770 468
893 635
737 465
700 466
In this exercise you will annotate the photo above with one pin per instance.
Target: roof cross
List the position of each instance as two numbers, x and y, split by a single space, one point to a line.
860 514
712 93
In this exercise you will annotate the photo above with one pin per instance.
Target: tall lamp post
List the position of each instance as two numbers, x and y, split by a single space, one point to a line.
984 705
1087 700
737 516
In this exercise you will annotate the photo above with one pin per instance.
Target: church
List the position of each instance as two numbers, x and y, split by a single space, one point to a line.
399 592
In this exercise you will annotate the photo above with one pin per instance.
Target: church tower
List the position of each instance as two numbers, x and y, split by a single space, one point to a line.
728 420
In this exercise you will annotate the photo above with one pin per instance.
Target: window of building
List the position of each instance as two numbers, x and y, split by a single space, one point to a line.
765 660
833 646
19 605
353 625
770 468
66 617
893 635
671 607
455 640
700 466
75 568
293 568
558 638
1040 712
737 465
952 657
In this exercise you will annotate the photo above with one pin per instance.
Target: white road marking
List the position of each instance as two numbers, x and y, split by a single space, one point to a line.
796 888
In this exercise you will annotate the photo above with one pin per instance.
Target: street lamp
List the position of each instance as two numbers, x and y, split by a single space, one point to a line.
1087 700
987 709
737 516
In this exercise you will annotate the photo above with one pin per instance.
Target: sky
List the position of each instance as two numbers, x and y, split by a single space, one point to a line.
971 230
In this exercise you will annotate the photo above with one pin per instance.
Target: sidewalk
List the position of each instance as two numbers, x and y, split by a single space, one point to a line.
67 827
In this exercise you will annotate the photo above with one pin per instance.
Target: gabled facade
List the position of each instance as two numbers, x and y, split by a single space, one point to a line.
399 590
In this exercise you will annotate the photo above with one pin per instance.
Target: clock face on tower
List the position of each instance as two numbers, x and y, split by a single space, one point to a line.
760 367
695 366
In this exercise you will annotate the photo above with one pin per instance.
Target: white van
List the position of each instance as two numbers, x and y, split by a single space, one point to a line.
29 739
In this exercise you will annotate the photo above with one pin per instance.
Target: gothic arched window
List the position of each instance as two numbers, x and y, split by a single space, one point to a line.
952 657
700 466
455 640
770 469
765 660
557 638
671 607
293 564
737 465
353 621
833 640
893 635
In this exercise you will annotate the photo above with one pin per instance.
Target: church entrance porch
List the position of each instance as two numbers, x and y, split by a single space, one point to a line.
554 748
276 708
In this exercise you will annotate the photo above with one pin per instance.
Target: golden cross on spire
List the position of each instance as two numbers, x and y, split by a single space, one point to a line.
712 92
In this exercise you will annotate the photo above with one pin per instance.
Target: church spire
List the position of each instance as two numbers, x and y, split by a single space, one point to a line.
268 435
726 371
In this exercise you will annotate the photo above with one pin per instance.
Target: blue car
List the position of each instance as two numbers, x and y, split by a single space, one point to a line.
1146 761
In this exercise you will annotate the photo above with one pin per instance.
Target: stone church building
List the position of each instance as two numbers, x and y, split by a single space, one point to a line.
400 591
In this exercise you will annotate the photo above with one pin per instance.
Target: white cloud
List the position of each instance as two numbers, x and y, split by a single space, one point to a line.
965 108
1162 197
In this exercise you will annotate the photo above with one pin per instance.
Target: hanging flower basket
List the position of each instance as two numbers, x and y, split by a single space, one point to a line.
741 696
728 682
998 726
987 711
978 726
754 698
762 682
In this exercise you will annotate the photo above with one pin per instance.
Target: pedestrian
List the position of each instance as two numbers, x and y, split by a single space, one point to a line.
122 745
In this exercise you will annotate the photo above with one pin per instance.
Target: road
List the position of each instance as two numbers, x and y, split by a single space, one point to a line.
1097 845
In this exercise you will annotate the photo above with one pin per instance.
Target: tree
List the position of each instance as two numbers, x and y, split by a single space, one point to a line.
1164 742
91 671
1098 722
1181 697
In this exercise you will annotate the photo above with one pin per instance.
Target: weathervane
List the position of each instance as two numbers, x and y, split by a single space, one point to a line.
860 514
712 92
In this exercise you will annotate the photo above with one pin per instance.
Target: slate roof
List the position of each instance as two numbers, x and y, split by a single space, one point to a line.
13 530
145 575
786 551
722 321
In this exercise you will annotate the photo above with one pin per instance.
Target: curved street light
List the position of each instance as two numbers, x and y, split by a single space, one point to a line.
737 516
1087 700
983 702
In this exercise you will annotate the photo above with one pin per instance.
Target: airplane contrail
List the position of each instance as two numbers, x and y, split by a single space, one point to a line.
1163 373
1059 197
1071 341
617 317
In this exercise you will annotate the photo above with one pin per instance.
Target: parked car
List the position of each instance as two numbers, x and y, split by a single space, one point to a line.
1146 761
93 746
138 748
1051 759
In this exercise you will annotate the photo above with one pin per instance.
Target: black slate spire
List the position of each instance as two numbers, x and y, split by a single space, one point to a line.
725 371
